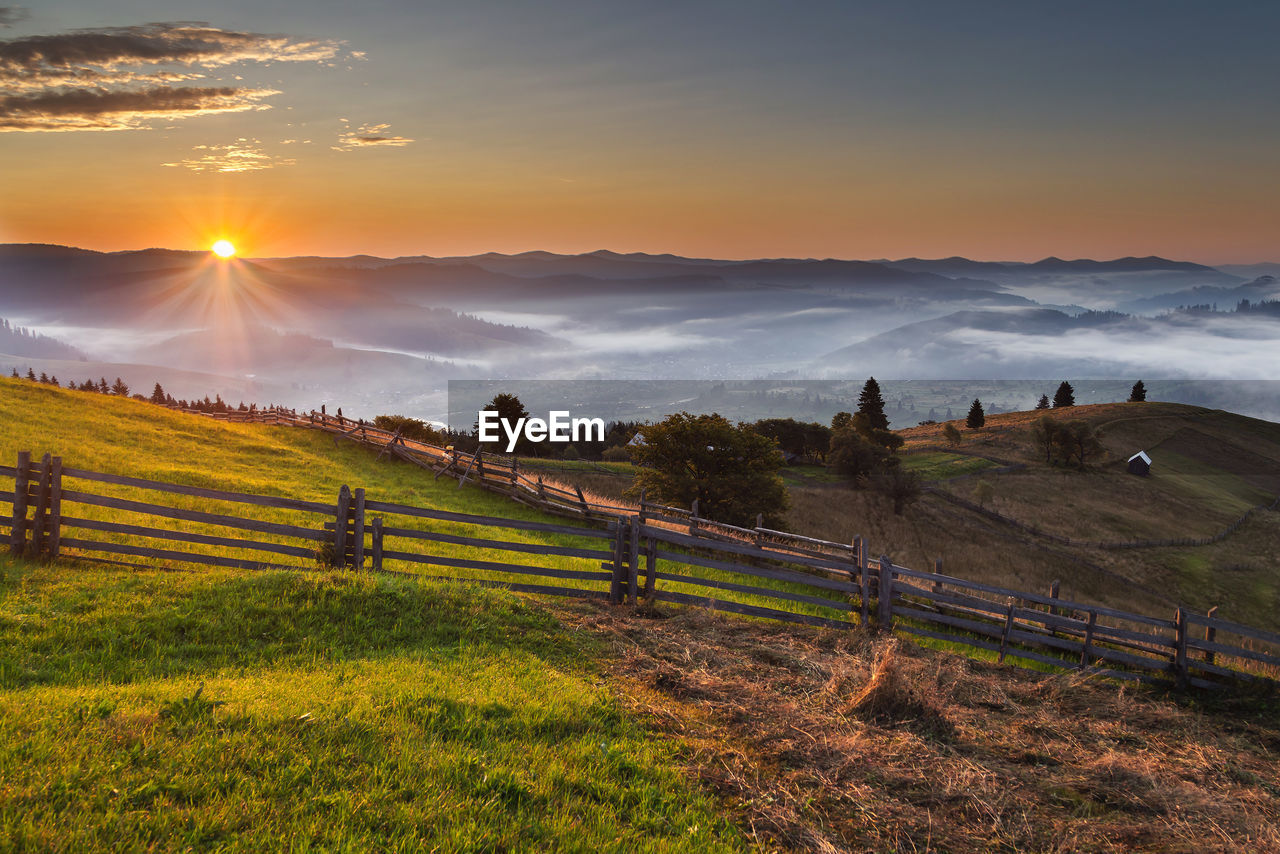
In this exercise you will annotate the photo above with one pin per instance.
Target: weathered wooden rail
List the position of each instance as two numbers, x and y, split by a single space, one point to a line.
65 511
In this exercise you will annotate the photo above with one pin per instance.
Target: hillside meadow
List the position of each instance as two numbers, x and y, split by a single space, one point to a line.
168 707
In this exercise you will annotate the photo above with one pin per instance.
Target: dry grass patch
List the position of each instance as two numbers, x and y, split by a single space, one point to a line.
839 741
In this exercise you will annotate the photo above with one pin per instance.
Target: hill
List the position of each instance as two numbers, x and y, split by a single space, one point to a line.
163 708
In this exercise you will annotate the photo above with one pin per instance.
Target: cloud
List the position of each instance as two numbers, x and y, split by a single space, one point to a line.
243 155
122 78
89 109
367 136
10 15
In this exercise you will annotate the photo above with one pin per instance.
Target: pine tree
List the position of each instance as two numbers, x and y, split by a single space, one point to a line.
157 394
119 389
1043 402
1065 396
53 380
15 374
44 378
871 405
976 417
31 374
1139 393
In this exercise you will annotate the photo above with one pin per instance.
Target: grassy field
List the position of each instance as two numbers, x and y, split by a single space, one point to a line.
154 710
204 709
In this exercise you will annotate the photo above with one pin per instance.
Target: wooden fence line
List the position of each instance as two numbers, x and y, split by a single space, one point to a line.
759 578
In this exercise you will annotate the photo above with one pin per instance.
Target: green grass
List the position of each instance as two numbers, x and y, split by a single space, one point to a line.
282 711
939 465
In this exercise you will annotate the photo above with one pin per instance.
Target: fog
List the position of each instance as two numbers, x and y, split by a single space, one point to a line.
389 338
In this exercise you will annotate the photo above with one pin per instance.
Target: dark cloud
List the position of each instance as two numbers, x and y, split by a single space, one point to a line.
90 109
119 78
10 15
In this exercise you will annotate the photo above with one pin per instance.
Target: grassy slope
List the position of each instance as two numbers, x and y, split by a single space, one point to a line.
1211 467
338 712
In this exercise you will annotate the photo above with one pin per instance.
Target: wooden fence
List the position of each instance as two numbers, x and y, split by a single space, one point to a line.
63 511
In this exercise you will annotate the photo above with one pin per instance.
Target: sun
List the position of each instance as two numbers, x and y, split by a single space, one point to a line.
223 249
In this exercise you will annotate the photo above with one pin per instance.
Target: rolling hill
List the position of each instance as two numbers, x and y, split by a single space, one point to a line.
166 708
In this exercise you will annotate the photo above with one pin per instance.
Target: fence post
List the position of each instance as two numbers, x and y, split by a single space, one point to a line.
340 526
375 555
615 584
39 520
633 563
581 499
759 525
853 575
864 573
1180 648
357 537
21 486
1210 632
650 570
693 516
53 544
640 513
1008 627
1086 652
884 593
937 570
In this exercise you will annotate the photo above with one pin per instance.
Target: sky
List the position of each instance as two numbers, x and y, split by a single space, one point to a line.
1010 130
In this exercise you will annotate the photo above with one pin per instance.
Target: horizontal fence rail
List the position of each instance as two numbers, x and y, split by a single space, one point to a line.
757 572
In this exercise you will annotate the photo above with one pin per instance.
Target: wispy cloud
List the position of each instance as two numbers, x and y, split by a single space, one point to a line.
368 136
122 78
243 155
10 15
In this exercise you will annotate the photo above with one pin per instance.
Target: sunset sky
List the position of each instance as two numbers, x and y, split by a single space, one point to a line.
1011 130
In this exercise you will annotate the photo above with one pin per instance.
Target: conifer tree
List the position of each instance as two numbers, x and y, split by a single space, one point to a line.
1138 393
1065 396
976 417
871 405
1043 402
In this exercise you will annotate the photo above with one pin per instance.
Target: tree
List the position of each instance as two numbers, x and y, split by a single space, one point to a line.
119 389
871 405
841 421
1043 402
410 428
852 455
1077 439
1043 433
731 471
31 374
976 417
900 486
1138 393
157 394
951 433
1065 396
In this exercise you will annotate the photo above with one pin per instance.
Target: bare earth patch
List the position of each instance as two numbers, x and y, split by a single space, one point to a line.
839 741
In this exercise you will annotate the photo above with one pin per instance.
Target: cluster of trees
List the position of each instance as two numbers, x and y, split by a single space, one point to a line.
100 386
1063 442
159 396
731 470
864 450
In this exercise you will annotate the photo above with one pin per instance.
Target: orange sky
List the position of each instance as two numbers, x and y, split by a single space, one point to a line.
848 133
